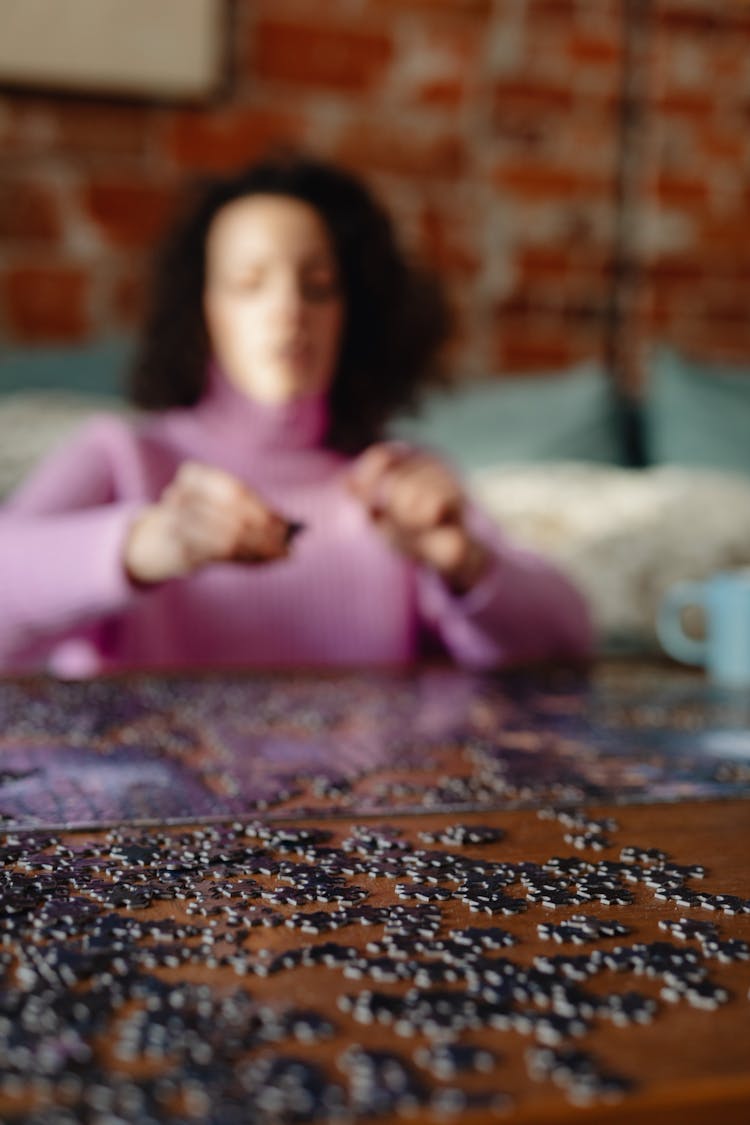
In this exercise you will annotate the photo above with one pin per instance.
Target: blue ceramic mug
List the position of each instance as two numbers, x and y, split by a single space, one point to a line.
725 650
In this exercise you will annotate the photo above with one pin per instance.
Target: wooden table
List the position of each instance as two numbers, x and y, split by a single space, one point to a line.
687 1065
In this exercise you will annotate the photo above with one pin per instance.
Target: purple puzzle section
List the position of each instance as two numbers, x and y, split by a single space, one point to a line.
164 749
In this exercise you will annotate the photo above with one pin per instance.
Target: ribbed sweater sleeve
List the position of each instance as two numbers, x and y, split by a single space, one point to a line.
522 610
61 545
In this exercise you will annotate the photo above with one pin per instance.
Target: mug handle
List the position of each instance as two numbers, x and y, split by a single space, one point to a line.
669 628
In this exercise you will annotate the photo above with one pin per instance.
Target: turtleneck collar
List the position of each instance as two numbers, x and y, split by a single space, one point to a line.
236 417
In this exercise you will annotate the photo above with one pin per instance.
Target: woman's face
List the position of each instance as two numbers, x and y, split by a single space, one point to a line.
272 298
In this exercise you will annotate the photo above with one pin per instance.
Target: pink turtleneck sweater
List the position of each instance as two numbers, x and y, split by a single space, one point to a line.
343 597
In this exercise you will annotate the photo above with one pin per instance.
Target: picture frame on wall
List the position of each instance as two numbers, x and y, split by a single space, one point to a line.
170 50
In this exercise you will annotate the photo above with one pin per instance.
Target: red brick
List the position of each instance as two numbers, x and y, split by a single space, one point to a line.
723 146
578 300
725 236
226 139
128 291
129 213
727 309
539 349
675 271
658 312
536 181
514 95
737 272
699 338
373 146
334 58
46 303
680 191
448 73
551 325
29 212
680 19
443 246
592 144
524 135
78 128
539 11
580 268
472 7
727 266
696 104
446 93
571 12
111 128
455 353
542 262
595 50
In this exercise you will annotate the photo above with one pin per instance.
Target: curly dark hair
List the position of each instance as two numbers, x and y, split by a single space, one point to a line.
396 318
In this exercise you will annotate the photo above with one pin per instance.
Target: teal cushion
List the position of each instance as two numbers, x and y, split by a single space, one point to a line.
565 416
697 414
569 415
94 369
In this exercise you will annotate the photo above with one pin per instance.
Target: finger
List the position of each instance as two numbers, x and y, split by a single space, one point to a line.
368 475
194 476
440 546
201 543
263 540
233 532
195 480
198 489
422 494
402 542
443 548
233 506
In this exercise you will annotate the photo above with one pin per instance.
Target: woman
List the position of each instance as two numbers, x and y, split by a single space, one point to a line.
255 516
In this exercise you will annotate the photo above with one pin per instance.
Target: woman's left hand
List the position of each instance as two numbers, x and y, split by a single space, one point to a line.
418 503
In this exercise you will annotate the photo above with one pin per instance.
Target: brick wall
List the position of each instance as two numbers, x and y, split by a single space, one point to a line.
494 130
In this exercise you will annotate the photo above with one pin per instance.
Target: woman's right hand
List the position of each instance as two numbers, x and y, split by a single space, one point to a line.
203 516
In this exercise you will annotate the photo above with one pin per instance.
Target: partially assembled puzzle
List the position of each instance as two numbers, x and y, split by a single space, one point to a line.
148 749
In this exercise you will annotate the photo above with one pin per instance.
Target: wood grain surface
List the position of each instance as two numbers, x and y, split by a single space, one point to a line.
689 1065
